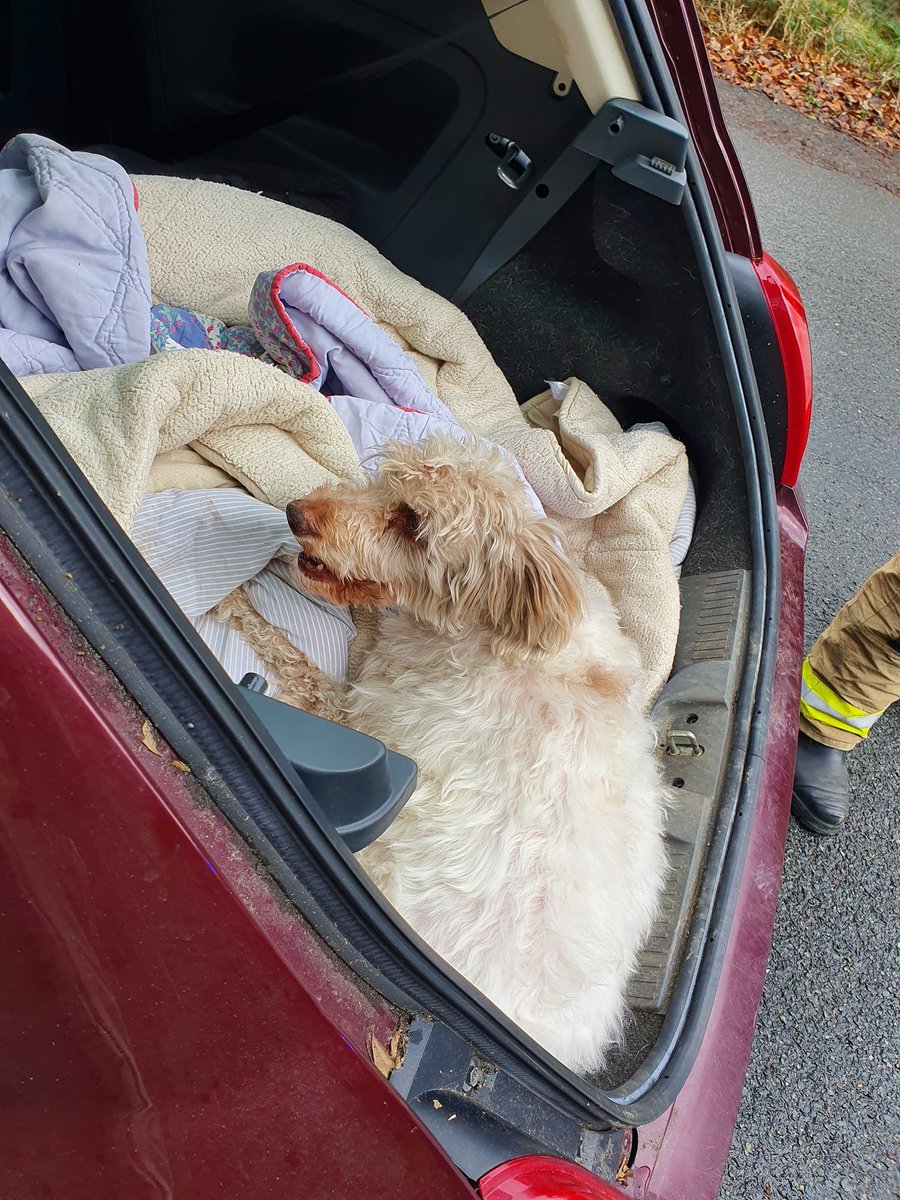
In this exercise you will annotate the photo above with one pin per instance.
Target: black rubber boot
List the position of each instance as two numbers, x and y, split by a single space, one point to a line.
821 797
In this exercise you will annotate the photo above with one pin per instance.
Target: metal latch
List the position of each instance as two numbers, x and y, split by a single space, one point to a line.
515 168
644 148
682 741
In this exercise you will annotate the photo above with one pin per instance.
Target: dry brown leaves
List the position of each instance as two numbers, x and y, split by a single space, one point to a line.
389 1058
149 739
833 92
624 1173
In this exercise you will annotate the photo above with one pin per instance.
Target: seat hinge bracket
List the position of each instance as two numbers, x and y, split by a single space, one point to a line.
644 148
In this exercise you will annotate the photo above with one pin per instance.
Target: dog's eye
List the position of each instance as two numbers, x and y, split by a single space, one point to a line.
406 521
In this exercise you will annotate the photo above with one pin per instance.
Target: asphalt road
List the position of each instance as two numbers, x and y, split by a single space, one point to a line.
820 1116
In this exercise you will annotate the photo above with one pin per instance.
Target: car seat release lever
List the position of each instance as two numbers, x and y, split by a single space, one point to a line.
357 784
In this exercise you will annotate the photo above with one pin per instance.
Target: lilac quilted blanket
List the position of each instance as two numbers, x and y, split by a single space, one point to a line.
74 280
303 323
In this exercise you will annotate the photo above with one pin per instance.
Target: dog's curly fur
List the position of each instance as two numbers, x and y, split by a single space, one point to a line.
301 683
531 854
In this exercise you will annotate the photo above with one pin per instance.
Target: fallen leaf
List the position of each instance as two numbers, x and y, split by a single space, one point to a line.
624 1173
181 766
397 1048
148 738
384 1063
437 1104
810 81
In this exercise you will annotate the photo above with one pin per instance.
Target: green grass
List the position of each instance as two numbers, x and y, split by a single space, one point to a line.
864 33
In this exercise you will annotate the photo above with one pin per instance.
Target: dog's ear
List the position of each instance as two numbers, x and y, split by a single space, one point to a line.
536 597
407 463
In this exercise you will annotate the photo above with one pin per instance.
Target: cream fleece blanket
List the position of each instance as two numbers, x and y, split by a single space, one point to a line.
199 418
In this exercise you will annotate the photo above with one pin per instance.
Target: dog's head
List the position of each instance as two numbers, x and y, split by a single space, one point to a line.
445 531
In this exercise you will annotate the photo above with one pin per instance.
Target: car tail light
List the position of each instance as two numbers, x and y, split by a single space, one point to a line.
541 1178
792 331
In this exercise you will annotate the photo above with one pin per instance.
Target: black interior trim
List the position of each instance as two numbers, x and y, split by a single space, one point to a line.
297 97
766 353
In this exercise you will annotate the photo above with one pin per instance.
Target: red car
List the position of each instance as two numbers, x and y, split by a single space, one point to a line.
201 994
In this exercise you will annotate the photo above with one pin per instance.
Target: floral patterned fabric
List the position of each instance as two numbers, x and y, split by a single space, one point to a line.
173 328
309 328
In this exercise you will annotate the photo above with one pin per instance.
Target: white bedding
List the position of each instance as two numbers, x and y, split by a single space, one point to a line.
203 544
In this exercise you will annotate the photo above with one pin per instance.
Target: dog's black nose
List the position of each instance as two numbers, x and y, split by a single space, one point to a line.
297 518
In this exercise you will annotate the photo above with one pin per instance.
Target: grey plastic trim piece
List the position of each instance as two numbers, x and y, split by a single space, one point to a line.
644 148
358 784
693 715
647 150
482 1117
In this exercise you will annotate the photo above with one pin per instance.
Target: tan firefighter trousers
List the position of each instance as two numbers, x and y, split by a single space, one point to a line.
852 673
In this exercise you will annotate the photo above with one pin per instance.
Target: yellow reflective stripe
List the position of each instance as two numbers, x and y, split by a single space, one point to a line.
821 689
825 718
819 703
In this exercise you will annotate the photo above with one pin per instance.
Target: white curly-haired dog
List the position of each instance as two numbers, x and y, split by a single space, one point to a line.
531 854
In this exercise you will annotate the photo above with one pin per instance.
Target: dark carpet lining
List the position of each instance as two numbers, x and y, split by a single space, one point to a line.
608 292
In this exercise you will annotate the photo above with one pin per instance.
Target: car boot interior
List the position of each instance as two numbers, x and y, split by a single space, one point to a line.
394 119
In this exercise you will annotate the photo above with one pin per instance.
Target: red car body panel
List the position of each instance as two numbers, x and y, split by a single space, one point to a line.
678 29
162 1010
